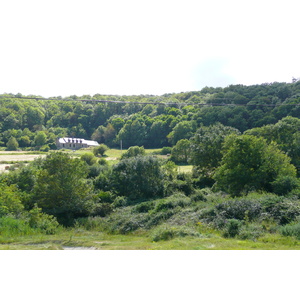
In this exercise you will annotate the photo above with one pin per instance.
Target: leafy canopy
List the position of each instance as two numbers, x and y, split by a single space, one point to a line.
249 163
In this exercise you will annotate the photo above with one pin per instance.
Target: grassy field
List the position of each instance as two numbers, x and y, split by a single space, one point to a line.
80 239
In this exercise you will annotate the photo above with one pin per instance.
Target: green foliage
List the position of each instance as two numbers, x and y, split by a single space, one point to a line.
232 228
10 200
138 177
166 232
206 146
100 150
89 158
198 195
182 130
11 227
39 220
249 163
61 189
239 209
12 144
284 184
166 150
291 230
176 200
133 152
181 151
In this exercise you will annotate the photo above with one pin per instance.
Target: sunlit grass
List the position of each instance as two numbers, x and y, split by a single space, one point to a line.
185 169
95 240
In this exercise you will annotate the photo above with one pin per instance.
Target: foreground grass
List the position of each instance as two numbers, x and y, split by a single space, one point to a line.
95 240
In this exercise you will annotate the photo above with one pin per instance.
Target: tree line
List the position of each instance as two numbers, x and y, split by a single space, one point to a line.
26 122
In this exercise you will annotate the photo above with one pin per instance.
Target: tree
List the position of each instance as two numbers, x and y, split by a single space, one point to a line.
133 151
206 146
100 150
89 158
12 144
181 151
61 188
138 177
249 163
40 139
183 130
10 200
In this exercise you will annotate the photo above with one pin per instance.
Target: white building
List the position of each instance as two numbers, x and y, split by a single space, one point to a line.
74 143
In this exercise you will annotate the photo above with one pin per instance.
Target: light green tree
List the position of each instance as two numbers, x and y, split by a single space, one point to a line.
250 163
12 144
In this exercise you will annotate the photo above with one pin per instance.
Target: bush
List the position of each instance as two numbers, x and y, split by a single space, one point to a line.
172 202
120 201
89 158
198 196
166 150
251 232
166 232
46 223
45 148
133 152
102 162
10 227
291 230
239 209
144 207
100 150
284 184
232 228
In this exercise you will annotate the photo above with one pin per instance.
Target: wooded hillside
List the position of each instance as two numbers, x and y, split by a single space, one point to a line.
35 122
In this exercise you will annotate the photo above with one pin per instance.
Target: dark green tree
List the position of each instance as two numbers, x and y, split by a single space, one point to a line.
138 177
206 146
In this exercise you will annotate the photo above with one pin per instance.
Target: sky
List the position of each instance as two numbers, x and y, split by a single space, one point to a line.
133 47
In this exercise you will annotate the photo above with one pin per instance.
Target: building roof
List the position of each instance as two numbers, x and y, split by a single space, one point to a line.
66 140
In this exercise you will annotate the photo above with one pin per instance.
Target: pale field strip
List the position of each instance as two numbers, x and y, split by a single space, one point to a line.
16 156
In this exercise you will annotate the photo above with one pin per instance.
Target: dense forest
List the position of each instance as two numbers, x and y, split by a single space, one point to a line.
242 141
35 122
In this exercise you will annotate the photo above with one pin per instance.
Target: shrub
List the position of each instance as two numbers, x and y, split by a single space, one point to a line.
10 200
45 148
120 201
166 232
46 223
133 152
239 209
10 227
291 230
89 158
100 150
284 184
166 150
102 162
198 195
144 207
232 228
172 202
251 232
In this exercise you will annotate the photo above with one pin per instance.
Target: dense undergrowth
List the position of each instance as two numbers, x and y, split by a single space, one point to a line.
246 218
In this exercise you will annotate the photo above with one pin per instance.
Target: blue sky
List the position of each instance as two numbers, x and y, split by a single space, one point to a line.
67 47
